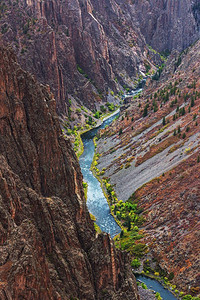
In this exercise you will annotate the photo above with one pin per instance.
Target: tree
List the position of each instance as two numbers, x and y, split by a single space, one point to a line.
120 131
129 225
164 121
192 102
171 276
145 112
183 111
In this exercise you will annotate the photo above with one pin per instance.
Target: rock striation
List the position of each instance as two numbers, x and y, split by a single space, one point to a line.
48 246
86 49
79 48
168 24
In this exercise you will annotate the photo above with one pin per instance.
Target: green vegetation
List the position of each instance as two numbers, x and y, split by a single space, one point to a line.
111 106
145 112
97 114
184 135
157 295
164 121
189 297
135 263
143 285
177 64
120 131
85 187
156 76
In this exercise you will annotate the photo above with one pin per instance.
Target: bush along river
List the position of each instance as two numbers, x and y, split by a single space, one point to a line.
97 202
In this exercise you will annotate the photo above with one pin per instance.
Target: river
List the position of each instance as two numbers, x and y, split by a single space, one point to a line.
96 201
156 286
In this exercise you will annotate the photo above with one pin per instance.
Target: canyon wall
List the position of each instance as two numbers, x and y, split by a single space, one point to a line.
48 246
84 49
168 24
80 48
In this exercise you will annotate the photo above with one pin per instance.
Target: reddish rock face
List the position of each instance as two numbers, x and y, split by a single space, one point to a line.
53 39
168 25
102 39
48 248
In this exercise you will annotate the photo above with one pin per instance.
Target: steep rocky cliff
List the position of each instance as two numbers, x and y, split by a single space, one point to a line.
80 48
48 247
152 152
168 24
86 48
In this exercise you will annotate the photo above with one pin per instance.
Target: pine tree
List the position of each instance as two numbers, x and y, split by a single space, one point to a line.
164 121
192 102
145 113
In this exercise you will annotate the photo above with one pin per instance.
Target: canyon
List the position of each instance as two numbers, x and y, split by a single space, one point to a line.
85 49
64 60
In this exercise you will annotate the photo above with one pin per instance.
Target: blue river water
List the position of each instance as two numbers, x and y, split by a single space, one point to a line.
96 201
156 286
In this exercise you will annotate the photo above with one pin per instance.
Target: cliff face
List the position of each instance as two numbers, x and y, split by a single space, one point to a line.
168 24
77 47
156 157
48 248
84 49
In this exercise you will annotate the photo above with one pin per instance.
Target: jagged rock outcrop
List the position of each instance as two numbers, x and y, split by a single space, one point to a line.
168 24
80 48
48 248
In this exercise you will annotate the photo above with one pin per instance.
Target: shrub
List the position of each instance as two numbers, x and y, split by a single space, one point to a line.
187 129
85 185
171 276
97 115
143 285
102 108
157 295
135 263
127 165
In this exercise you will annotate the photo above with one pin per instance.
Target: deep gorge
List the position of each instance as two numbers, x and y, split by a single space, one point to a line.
64 65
